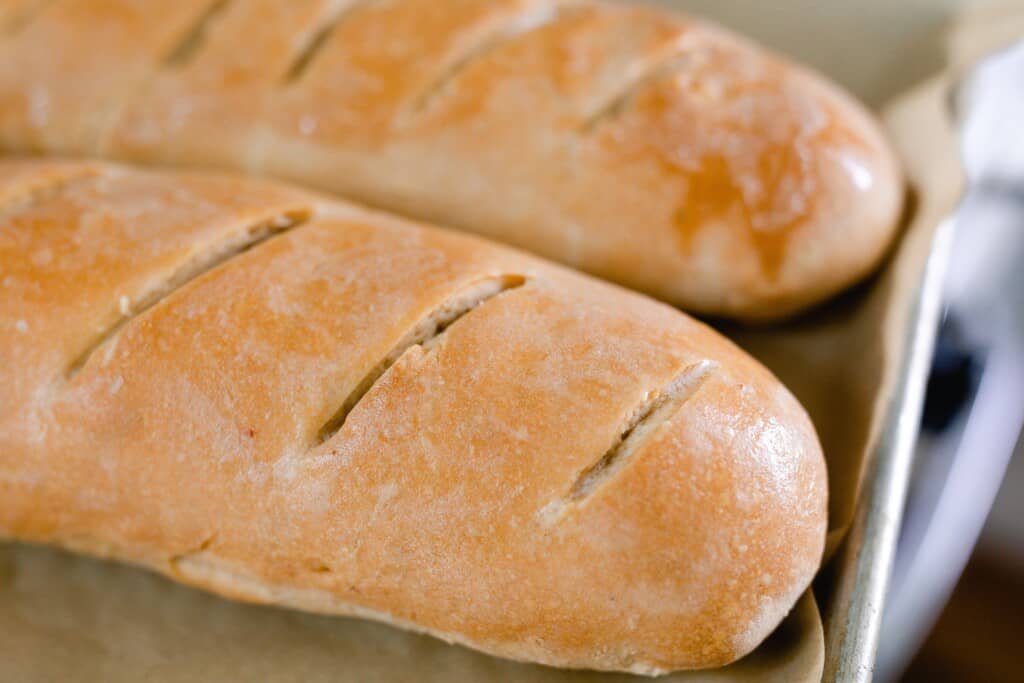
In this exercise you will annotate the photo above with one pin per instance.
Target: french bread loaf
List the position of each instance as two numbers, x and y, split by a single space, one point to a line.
644 147
289 400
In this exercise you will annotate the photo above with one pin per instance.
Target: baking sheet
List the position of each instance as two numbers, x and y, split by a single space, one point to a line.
69 618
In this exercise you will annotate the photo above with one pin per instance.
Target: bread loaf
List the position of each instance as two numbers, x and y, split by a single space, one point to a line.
293 401
644 147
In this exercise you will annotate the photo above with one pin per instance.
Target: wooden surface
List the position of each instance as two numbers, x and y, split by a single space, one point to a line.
978 636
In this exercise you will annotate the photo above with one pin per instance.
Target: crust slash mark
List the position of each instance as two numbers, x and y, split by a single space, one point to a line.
175 560
426 333
516 26
318 38
647 416
189 46
233 246
13 19
41 189
618 101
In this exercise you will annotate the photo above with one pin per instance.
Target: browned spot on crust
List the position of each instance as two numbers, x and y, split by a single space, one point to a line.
745 150
714 194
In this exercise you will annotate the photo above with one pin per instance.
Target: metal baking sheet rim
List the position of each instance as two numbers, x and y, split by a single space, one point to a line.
853 616
864 561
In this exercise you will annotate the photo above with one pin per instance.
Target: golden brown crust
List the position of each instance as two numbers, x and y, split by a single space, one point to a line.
548 467
641 146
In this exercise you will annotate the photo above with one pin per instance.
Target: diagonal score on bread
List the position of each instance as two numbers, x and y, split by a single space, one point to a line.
21 185
331 16
227 246
15 13
492 36
365 416
427 333
648 148
191 42
651 413
648 415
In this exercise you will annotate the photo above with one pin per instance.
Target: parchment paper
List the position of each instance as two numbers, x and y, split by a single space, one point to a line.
66 618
